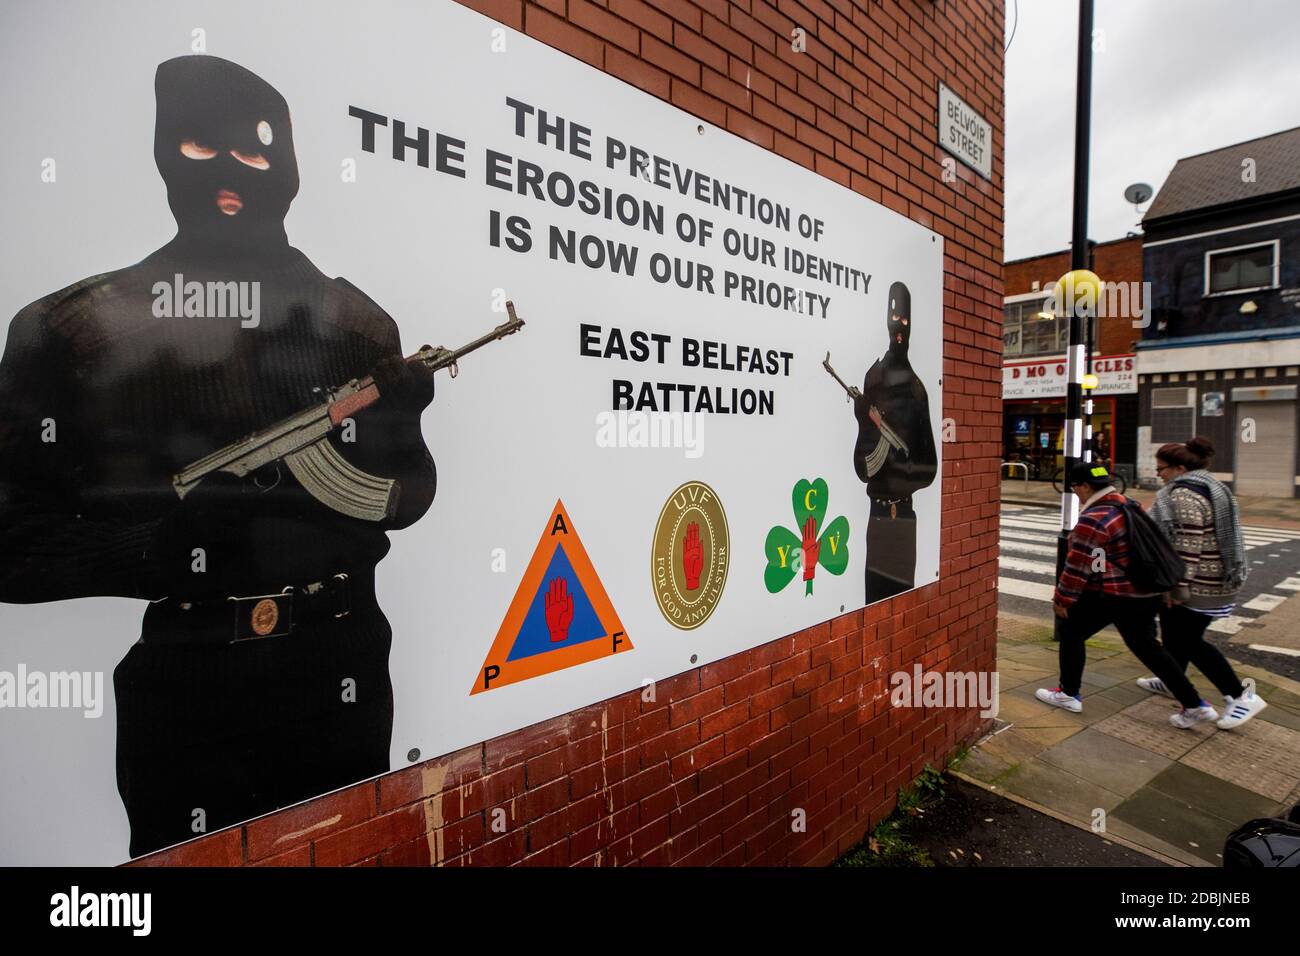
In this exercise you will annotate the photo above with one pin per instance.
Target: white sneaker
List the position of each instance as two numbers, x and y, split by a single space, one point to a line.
1186 719
1154 685
1058 698
1238 710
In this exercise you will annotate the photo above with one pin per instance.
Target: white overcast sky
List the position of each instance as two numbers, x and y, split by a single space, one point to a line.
1171 78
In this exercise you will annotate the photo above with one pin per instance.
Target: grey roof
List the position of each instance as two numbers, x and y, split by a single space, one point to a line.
1215 178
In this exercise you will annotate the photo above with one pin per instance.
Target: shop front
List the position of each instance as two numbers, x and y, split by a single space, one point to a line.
1033 414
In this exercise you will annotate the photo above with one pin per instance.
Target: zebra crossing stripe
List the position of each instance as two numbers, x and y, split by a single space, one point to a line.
1007 563
1026 589
1270 649
1030 525
1264 602
1026 536
1228 625
1026 548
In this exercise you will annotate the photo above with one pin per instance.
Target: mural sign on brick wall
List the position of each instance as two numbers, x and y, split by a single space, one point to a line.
388 390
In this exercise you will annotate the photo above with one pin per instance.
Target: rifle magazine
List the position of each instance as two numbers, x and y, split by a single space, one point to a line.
335 482
876 460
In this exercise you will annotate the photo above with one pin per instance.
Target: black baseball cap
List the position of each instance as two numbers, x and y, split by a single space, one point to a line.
1089 473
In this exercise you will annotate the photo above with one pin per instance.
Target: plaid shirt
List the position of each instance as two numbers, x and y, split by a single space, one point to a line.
1097 553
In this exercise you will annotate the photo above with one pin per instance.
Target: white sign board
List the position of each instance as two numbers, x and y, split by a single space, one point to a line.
656 472
964 133
1046 378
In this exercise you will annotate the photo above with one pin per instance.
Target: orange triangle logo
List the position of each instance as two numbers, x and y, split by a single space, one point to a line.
560 615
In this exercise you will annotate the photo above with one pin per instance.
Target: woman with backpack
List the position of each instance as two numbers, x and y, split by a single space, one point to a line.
1199 515
1103 583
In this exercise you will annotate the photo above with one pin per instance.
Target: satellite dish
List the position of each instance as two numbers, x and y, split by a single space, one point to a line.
1138 193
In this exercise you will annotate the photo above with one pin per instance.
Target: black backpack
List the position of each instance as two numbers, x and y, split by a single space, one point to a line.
1153 565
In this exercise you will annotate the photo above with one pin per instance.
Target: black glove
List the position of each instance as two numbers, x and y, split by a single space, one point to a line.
862 406
407 386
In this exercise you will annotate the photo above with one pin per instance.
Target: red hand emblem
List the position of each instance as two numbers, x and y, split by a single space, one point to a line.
559 610
811 547
692 556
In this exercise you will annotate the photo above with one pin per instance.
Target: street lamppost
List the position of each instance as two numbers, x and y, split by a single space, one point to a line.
1077 295
1090 383
1089 379
1079 290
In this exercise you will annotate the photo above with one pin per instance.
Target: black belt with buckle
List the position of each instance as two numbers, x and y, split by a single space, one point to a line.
236 619
892 504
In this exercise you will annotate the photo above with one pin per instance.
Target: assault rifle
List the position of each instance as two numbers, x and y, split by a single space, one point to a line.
887 433
300 440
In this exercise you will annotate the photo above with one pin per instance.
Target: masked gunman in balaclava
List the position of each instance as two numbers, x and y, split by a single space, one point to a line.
894 455
105 393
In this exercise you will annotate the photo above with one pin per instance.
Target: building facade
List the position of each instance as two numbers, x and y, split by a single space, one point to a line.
1034 342
1219 354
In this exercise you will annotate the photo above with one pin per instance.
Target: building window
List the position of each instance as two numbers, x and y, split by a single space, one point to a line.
1241 269
1025 331
1173 414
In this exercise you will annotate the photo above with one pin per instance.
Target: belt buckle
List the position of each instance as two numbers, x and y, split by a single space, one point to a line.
262 615
342 593
337 588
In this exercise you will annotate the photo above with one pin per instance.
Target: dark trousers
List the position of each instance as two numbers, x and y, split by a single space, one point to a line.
1182 631
891 550
1135 619
229 732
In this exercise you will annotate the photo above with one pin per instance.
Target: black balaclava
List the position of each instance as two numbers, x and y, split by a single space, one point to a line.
900 307
220 106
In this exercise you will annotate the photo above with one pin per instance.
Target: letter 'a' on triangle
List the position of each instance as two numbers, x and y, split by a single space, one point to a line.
560 616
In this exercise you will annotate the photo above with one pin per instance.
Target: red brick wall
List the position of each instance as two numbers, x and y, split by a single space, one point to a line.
710 770
1116 261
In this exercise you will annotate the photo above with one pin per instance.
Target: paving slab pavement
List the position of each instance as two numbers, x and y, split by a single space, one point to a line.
1074 796
1118 766
1120 763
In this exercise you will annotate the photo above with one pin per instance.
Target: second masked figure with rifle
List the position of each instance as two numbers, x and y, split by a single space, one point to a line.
894 454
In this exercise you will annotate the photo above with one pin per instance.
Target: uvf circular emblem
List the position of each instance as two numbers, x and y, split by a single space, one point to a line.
266 614
690 555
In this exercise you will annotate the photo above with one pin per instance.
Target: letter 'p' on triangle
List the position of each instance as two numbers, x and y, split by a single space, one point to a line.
560 616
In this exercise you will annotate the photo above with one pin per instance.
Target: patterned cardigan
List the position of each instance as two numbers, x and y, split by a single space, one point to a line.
1204 585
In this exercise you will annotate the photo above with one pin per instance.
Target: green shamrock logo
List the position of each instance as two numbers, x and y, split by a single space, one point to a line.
788 552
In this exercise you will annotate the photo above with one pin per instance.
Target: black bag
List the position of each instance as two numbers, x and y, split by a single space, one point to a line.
1153 565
